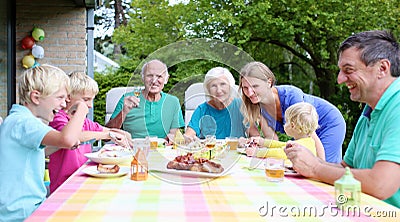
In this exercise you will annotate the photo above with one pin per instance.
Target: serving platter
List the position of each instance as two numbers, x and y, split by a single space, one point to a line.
159 164
92 171
189 173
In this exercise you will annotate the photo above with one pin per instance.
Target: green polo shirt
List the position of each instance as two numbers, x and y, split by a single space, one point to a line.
152 118
376 135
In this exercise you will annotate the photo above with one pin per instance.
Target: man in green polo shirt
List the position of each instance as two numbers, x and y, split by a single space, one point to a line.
153 112
369 65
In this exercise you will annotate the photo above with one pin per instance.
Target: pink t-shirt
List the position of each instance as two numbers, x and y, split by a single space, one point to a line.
64 162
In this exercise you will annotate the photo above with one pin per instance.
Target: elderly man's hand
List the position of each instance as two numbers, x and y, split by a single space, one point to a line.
130 102
304 162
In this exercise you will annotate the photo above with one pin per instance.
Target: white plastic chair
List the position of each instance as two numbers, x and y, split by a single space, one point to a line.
194 96
112 98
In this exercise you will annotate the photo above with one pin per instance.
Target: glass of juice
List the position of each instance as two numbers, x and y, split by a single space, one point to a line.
274 169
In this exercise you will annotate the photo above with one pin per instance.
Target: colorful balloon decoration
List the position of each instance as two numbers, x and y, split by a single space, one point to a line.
28 61
28 42
37 51
38 34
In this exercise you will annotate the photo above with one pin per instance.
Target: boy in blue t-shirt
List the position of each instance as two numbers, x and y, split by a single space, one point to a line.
25 133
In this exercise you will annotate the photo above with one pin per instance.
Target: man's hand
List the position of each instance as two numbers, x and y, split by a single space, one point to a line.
130 102
304 162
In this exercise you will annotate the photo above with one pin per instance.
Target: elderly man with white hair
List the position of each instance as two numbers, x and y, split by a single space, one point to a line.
153 112
220 115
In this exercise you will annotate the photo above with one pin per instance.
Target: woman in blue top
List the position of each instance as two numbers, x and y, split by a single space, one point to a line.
220 115
262 96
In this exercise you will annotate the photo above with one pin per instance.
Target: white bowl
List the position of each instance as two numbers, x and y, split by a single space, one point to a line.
110 157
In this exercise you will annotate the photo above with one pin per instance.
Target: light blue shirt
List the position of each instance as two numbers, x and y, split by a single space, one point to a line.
22 164
206 120
376 135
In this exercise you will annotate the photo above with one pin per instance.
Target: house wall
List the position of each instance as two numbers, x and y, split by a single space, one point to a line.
3 59
64 25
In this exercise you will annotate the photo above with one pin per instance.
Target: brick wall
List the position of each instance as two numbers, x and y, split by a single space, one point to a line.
64 25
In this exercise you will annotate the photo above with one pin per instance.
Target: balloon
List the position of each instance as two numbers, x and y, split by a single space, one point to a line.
38 34
28 42
38 51
28 61
36 64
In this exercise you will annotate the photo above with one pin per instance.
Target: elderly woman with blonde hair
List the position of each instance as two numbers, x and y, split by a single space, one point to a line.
220 115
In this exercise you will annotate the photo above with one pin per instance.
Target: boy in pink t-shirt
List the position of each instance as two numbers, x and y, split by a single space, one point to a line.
63 163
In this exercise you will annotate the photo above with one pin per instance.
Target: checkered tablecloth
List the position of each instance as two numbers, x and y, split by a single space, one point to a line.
242 195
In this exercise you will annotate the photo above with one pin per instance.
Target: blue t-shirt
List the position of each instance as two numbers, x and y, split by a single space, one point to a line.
332 127
376 135
206 120
152 118
22 164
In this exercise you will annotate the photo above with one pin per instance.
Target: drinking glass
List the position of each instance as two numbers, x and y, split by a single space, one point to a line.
137 91
232 142
275 169
210 141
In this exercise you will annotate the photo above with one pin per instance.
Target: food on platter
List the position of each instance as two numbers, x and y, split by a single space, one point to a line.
107 168
190 163
199 149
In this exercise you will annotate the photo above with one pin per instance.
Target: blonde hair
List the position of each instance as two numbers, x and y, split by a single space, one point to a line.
215 73
251 112
304 117
46 79
81 83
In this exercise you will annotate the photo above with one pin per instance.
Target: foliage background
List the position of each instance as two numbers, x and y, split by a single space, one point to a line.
297 39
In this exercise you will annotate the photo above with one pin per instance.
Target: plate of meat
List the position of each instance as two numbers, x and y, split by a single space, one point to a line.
106 171
187 165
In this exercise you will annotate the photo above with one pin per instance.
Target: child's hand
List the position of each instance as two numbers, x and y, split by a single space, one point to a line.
251 151
121 139
79 105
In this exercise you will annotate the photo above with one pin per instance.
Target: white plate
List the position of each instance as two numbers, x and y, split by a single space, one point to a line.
114 147
189 173
241 150
108 157
92 171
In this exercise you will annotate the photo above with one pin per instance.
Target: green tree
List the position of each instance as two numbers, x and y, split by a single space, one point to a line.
297 39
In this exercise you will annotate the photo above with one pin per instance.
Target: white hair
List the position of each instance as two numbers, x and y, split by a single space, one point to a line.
215 73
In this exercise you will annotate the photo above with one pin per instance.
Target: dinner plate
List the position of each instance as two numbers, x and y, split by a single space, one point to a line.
92 171
114 147
241 150
110 157
290 172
